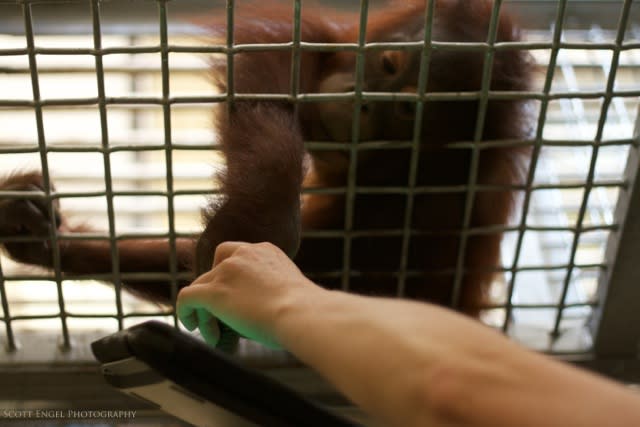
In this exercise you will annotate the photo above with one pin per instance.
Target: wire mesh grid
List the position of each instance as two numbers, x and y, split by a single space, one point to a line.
566 204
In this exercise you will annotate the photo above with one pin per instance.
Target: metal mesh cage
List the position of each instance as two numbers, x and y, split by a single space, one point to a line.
113 106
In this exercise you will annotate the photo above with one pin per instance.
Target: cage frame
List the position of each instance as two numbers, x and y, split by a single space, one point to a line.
613 355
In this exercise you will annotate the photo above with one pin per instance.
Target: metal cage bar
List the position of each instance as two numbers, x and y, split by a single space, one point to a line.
10 346
115 258
321 47
537 12
475 153
615 325
324 97
537 147
622 26
315 145
44 161
423 78
355 139
295 52
166 116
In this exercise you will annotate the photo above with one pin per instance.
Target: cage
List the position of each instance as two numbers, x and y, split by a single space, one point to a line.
114 106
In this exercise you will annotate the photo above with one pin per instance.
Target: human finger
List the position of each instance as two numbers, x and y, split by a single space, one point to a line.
208 326
186 310
225 250
189 319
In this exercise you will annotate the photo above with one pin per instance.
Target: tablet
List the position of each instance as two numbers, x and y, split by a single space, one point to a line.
194 382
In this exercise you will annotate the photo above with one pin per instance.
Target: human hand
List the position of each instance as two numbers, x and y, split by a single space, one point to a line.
249 288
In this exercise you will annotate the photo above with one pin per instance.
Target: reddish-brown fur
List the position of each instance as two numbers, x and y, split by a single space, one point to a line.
266 166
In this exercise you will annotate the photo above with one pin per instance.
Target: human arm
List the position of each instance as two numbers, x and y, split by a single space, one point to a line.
406 363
